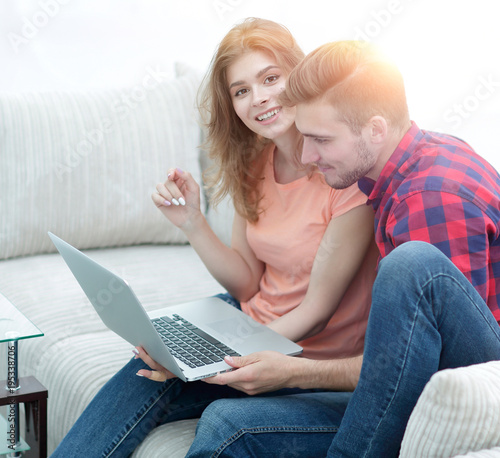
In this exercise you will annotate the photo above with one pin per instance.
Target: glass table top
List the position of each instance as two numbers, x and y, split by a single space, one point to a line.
13 324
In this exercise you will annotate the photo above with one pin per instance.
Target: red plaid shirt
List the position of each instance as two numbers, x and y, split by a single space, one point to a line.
436 189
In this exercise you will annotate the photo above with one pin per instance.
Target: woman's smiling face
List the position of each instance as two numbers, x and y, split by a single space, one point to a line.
255 81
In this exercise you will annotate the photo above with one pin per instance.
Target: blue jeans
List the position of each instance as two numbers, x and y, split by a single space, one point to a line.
128 407
425 316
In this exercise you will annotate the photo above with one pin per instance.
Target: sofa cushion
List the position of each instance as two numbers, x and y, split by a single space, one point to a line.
458 412
491 453
172 440
84 164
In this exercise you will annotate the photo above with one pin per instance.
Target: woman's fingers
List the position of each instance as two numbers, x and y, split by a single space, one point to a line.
142 354
159 200
152 375
184 181
180 191
169 194
158 374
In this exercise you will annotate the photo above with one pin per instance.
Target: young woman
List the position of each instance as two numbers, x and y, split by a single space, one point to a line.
301 258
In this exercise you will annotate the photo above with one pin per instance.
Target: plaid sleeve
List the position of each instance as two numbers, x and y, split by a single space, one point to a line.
456 226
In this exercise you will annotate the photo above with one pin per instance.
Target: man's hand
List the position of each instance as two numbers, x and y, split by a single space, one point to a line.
257 373
269 371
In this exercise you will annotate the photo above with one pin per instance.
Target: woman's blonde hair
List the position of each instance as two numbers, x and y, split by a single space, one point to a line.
233 147
356 78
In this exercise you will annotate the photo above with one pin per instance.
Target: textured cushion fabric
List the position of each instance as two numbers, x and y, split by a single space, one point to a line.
84 164
77 353
492 453
220 220
220 217
458 412
168 441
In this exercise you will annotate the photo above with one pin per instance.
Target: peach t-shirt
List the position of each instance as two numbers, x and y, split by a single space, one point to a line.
286 238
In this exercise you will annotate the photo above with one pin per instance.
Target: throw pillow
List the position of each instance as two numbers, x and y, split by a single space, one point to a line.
458 412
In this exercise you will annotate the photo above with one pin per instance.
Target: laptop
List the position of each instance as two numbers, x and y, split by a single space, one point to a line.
189 339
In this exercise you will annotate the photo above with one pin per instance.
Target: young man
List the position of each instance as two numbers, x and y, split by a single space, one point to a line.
435 304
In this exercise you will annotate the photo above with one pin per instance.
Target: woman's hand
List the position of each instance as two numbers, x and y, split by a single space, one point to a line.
178 198
158 374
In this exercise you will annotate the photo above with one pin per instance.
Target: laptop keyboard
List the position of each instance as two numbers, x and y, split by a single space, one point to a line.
189 343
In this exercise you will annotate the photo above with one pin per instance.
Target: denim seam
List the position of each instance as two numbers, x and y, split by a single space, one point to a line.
268 429
136 422
410 337
190 407
450 277
402 367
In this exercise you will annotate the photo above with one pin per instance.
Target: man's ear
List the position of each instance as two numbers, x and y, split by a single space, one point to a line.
378 129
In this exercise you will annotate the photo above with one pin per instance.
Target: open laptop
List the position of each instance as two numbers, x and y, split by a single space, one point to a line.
190 339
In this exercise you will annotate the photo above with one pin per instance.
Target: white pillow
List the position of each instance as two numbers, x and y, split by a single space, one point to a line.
492 453
84 164
458 412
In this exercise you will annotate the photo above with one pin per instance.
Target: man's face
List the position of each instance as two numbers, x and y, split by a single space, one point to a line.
340 155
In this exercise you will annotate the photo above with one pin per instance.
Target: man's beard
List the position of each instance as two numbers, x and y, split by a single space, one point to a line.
365 163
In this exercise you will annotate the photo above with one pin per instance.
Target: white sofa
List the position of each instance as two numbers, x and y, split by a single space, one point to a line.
83 166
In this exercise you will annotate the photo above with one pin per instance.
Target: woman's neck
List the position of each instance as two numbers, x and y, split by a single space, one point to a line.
287 167
287 144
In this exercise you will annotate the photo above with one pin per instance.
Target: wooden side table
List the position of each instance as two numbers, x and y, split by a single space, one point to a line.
34 396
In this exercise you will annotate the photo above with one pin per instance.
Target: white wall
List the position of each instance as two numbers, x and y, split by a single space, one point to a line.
446 49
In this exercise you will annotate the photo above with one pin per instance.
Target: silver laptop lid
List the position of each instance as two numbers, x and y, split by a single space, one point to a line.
122 312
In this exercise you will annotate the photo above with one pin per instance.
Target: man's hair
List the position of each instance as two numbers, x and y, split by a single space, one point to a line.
356 78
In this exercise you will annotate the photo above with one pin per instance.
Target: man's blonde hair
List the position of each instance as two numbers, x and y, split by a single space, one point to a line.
356 78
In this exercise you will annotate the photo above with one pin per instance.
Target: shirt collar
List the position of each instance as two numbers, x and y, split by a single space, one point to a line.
376 189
